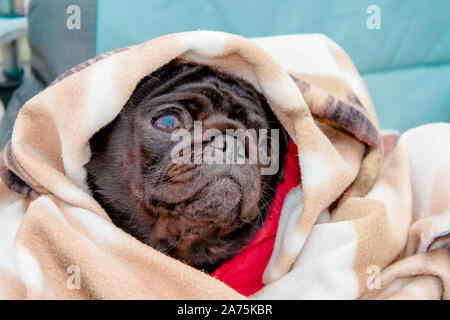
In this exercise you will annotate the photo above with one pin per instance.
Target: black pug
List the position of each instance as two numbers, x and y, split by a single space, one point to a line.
200 213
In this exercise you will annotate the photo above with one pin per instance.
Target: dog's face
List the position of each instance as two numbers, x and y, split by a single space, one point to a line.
199 210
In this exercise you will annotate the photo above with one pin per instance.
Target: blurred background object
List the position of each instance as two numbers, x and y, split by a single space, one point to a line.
405 62
13 26
50 49
13 8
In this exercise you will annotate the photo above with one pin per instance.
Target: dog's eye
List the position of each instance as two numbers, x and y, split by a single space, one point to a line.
167 122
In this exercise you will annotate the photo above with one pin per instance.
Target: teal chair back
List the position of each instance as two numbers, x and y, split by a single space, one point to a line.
401 48
405 63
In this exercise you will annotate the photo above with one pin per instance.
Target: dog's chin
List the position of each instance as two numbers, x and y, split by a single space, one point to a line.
219 201
195 228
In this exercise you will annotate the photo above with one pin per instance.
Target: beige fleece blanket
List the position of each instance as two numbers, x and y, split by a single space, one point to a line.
362 224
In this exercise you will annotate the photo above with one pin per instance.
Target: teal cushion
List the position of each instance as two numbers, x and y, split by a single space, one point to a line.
413 33
411 96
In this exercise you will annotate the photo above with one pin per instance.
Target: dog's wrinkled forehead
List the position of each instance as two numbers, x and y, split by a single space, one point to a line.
203 91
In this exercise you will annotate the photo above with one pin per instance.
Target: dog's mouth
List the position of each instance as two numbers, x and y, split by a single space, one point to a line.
220 199
218 202
210 193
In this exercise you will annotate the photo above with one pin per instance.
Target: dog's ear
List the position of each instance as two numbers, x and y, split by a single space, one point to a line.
284 145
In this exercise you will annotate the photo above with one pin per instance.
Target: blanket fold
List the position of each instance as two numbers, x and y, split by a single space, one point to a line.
370 218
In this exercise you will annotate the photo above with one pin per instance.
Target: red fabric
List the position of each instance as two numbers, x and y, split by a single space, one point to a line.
244 272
